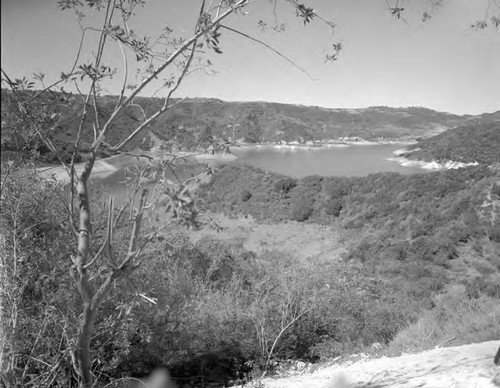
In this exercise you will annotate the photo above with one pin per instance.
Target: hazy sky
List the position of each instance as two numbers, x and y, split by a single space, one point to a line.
442 64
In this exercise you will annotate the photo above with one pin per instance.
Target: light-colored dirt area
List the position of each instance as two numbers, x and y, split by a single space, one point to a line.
466 366
490 208
102 169
299 239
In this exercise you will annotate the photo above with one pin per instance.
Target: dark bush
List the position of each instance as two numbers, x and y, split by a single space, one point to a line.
495 190
285 185
246 195
495 232
301 209
333 207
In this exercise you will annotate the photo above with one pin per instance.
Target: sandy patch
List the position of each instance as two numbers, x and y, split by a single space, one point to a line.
102 169
467 366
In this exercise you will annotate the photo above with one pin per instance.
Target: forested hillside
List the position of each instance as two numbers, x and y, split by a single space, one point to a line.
411 230
421 253
196 123
471 143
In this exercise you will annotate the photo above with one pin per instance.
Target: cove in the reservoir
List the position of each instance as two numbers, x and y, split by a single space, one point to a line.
343 160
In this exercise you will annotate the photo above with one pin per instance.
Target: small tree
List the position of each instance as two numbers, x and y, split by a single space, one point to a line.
95 270
281 299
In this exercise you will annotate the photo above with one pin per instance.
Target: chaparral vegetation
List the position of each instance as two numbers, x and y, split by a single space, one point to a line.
98 290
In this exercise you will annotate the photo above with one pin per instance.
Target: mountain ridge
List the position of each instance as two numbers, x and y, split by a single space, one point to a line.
195 123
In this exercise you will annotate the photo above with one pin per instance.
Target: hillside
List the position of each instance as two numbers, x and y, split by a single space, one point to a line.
264 121
416 231
432 239
479 142
198 122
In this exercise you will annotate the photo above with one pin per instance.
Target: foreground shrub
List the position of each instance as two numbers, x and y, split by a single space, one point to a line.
40 305
38 310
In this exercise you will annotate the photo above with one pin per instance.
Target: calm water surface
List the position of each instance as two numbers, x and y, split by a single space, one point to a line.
354 160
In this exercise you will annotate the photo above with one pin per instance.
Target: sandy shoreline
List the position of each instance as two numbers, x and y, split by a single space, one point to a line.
103 168
432 165
320 145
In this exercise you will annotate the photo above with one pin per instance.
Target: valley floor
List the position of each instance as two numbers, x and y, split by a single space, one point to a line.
299 239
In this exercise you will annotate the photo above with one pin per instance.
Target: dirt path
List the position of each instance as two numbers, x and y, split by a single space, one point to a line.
490 208
466 366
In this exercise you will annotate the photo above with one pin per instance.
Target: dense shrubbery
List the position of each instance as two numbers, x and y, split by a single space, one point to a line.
38 315
203 309
212 310
398 226
471 143
236 317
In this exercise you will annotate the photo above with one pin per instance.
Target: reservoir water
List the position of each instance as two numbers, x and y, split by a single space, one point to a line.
351 160
339 160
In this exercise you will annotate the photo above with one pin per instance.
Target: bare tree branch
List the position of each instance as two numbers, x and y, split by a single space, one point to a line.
155 73
165 106
270 48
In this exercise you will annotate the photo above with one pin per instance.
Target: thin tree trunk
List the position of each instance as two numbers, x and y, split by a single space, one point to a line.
84 336
80 276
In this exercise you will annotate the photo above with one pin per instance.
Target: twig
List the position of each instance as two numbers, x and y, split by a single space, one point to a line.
270 48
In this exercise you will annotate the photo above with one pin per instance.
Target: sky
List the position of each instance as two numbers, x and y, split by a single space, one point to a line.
442 64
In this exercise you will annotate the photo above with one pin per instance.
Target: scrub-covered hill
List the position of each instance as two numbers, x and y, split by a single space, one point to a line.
472 143
199 122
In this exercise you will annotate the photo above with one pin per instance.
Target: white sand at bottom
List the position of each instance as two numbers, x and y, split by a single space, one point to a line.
466 366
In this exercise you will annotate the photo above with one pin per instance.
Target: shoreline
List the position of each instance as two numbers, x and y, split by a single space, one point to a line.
321 145
432 165
101 170
106 167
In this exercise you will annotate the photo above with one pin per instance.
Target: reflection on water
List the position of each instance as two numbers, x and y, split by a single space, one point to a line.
356 160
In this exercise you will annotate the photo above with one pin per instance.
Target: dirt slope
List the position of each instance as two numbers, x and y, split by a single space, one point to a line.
467 366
